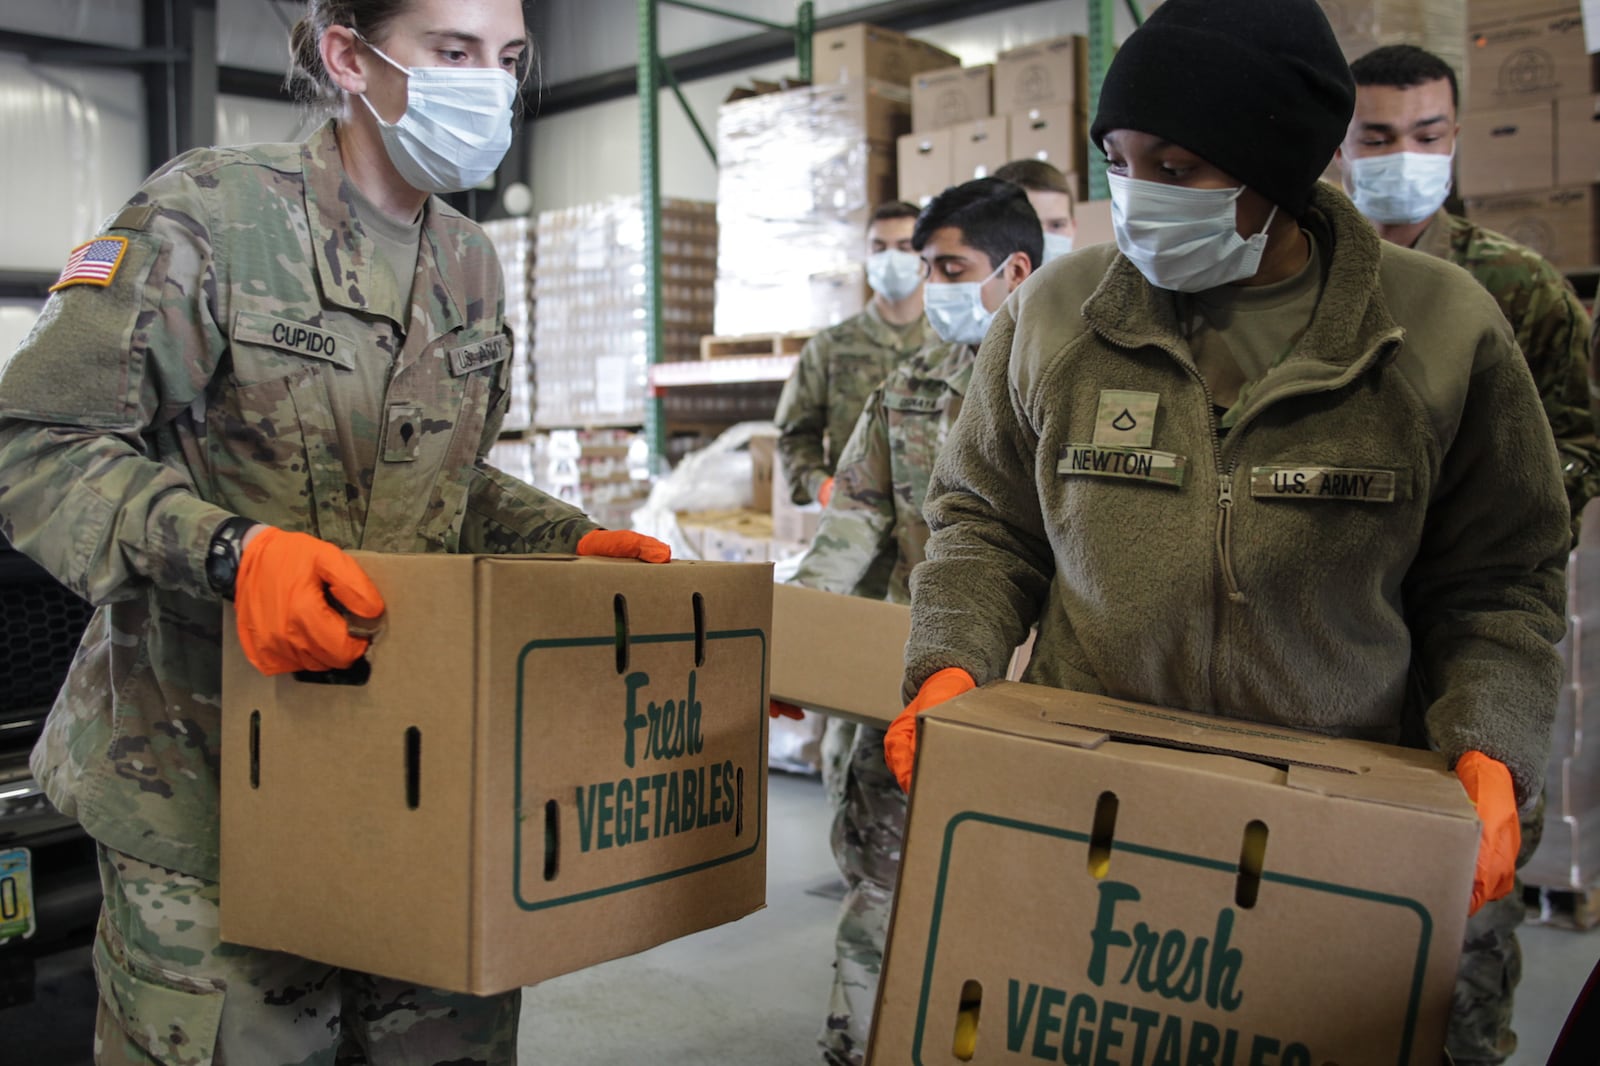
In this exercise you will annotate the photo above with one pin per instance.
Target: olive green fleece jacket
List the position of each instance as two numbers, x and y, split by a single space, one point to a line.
1275 584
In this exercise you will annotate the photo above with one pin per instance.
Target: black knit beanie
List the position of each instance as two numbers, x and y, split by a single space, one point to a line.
1256 88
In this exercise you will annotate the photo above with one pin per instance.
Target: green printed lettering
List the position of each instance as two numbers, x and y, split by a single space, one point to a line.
585 816
1048 1023
1169 1050
666 730
673 821
1296 1055
696 742
1192 982
1260 1048
1143 1020
727 804
642 802
1105 935
632 720
1171 960
1204 1040
1109 1037
624 812
657 783
607 812
1225 965
716 793
1077 1043
1018 1014
691 799
1145 940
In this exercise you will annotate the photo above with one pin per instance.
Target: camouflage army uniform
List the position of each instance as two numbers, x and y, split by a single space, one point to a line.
1550 326
819 407
246 358
875 516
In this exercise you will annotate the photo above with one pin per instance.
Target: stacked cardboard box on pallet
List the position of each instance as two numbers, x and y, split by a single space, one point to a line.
591 357
967 122
514 241
800 169
1530 145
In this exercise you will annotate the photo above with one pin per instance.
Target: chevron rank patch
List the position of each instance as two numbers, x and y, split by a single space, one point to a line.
93 263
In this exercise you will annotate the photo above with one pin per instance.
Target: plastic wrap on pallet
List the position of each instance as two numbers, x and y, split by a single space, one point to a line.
1440 26
798 174
514 244
590 351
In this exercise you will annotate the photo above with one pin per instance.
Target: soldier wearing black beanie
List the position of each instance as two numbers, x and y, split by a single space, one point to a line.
1257 88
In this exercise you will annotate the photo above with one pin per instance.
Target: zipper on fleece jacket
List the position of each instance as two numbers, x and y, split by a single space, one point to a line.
1224 538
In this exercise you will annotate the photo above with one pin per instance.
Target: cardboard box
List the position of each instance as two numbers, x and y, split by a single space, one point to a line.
863 642
1093 870
1560 224
862 52
1578 140
880 109
1508 150
1047 74
946 98
792 523
745 538
763 458
552 762
1094 223
1530 59
926 167
978 149
1052 134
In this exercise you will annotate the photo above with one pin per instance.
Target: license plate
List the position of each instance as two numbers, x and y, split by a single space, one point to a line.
16 895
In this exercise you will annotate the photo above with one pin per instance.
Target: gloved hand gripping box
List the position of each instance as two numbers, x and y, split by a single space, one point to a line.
541 763
1087 880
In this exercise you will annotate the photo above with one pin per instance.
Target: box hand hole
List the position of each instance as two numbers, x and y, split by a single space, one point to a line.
413 768
1252 860
699 630
1100 837
552 840
738 803
619 606
967 1012
255 749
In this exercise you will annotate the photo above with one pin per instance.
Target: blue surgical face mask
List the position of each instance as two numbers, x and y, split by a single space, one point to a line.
1185 240
1402 187
894 274
1056 245
456 128
955 310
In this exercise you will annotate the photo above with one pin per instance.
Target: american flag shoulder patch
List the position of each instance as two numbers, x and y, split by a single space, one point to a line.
93 263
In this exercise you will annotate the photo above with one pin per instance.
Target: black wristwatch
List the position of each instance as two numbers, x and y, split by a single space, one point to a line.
222 558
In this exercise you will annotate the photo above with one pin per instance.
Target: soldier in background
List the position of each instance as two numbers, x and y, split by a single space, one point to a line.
977 242
823 398
1396 160
1051 196
270 355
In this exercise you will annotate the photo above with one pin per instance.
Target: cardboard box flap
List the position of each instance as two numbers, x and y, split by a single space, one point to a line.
1365 771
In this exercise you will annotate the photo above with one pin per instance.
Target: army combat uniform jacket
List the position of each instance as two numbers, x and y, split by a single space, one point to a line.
823 398
214 374
882 480
1551 329
1389 491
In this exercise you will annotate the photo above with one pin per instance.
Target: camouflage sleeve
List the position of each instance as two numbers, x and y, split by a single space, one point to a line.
1594 372
859 519
104 366
802 420
1553 331
506 516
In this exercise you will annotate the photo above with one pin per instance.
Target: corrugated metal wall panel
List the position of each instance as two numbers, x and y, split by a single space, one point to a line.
114 22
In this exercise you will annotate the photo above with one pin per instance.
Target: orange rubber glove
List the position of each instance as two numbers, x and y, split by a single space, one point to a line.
1488 785
622 544
780 709
825 492
281 597
900 742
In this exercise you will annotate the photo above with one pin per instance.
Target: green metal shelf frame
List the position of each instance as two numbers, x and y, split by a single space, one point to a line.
1102 46
653 74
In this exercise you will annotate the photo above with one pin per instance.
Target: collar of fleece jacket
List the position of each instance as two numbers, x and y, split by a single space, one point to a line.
1351 317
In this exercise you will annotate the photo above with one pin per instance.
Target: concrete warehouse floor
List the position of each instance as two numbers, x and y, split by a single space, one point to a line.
748 994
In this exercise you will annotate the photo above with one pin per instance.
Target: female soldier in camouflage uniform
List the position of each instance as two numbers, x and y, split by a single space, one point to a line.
269 355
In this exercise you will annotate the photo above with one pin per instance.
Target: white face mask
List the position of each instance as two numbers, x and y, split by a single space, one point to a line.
1056 245
1186 240
1402 187
456 128
894 274
956 311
